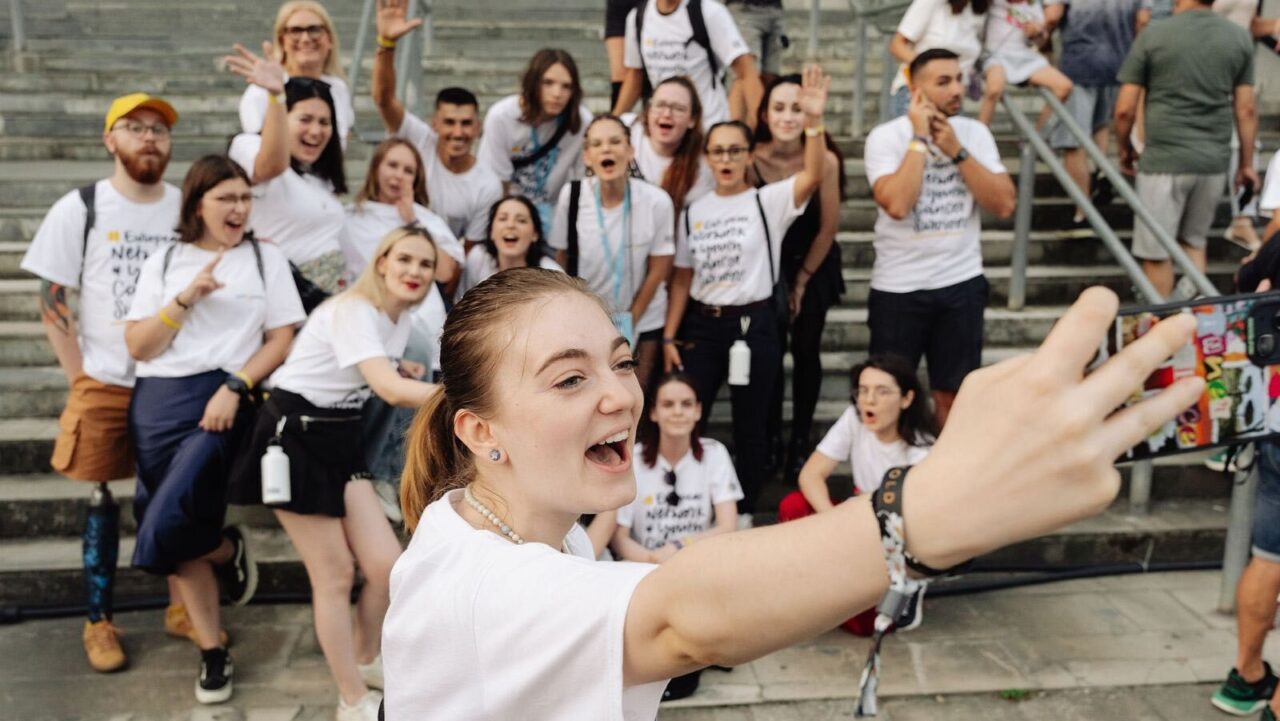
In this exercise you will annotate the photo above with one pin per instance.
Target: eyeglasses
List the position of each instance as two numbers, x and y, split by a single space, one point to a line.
140 130
733 152
233 199
672 498
673 108
877 392
296 32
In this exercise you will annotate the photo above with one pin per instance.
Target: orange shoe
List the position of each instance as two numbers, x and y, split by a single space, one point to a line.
178 624
102 646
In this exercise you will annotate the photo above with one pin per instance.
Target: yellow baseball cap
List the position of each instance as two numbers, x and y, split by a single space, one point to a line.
126 104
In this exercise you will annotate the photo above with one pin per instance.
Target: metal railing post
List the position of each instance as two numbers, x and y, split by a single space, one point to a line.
409 63
357 55
1140 488
1022 227
815 12
860 81
1239 527
19 30
887 75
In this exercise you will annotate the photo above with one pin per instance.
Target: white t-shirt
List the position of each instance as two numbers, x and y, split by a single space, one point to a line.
225 328
341 333
653 166
368 222
299 213
463 199
506 137
1005 29
480 265
938 244
1268 202
253 107
726 243
701 485
668 49
124 234
930 24
849 440
652 227
480 629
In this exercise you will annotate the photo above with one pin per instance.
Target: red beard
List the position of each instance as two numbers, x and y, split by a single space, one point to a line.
145 167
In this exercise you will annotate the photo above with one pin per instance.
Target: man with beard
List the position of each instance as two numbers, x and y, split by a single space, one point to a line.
931 172
95 240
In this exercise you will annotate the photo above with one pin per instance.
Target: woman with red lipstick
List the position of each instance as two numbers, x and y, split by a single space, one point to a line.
728 255
616 233
296 166
668 142
212 316
515 241
345 353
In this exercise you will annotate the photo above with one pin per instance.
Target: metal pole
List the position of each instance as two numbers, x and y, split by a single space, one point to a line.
1022 228
409 66
357 56
1140 488
1104 231
815 12
1239 525
860 81
887 74
1122 187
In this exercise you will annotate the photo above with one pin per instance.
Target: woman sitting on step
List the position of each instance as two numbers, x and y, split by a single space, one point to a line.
213 315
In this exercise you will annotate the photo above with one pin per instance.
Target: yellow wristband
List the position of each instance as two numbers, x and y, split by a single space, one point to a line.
814 131
164 318
386 43
918 147
244 377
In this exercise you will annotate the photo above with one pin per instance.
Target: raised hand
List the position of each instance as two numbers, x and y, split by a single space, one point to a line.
391 21
262 71
202 285
814 85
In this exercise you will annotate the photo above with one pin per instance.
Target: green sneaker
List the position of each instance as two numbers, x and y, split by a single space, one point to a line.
1218 462
1267 714
1241 698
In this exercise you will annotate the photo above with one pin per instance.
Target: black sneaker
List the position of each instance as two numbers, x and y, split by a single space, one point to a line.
913 614
1238 697
214 683
1103 192
238 576
1076 229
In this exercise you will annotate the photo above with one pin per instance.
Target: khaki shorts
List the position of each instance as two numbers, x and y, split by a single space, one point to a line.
1183 204
93 433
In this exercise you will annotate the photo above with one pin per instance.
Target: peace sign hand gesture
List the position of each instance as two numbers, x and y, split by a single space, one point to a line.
814 85
202 285
262 71
391 20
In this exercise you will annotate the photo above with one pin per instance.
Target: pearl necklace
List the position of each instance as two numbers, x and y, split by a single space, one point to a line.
483 510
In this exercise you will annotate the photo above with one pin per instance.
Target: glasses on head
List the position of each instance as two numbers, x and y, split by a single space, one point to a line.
140 130
673 108
672 498
295 32
878 392
733 152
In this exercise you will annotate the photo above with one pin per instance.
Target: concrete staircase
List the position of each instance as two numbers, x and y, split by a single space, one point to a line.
82 53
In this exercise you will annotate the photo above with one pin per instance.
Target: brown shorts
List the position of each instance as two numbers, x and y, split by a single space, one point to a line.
93 433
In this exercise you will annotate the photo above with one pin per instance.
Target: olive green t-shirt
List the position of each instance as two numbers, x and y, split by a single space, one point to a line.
1190 64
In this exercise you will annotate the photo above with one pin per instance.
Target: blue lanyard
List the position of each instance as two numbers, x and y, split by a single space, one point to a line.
620 258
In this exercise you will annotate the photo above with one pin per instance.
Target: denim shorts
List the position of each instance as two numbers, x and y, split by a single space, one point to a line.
1266 508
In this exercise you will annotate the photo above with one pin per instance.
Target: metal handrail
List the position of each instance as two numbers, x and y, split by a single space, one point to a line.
410 52
861 14
19 30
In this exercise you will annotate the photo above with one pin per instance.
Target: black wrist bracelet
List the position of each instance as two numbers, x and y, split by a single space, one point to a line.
886 502
178 300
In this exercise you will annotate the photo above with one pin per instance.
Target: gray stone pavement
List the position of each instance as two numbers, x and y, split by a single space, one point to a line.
1133 647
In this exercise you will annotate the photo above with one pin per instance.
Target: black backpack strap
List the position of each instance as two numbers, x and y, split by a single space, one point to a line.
562 128
87 196
571 227
168 256
700 36
257 255
646 87
768 239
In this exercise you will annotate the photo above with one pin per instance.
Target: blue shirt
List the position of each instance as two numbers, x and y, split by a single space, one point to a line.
1096 35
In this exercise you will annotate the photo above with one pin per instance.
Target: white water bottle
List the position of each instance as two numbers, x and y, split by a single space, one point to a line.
739 363
275 476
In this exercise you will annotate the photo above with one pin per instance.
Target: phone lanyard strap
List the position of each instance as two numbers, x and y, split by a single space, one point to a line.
619 259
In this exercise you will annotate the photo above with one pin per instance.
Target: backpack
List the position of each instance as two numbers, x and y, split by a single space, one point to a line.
87 195
700 36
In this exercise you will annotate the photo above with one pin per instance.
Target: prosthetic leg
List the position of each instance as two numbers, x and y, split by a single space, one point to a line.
101 549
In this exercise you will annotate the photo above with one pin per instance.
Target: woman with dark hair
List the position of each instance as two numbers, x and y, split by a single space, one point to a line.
515 241
668 142
810 261
499 609
346 353
615 232
956 25
296 168
533 140
213 315
722 293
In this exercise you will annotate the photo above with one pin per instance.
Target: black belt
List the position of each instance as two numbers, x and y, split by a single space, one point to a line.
726 311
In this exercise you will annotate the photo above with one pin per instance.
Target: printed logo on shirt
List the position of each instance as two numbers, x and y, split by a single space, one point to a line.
113 236
663 523
945 203
716 246
126 252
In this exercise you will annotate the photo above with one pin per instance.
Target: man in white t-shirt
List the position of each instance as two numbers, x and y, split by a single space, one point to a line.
668 43
95 240
458 188
931 172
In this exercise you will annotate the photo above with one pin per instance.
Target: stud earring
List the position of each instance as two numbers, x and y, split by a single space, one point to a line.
495 455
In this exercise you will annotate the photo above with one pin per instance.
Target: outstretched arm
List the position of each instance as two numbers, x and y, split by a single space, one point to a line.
273 155
392 25
813 101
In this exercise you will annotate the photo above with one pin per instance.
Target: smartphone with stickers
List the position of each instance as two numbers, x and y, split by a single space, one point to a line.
1236 350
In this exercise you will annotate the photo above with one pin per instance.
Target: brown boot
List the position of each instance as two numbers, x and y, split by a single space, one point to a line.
102 646
178 624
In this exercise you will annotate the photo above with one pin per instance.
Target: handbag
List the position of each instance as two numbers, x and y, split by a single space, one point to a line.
309 293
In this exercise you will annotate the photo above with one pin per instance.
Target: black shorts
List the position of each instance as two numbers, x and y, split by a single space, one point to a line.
615 17
944 325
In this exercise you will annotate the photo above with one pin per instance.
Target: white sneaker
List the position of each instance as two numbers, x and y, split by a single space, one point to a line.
745 521
372 673
389 498
366 709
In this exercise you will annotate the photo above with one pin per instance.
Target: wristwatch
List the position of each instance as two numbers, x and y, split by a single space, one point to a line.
237 385
960 157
